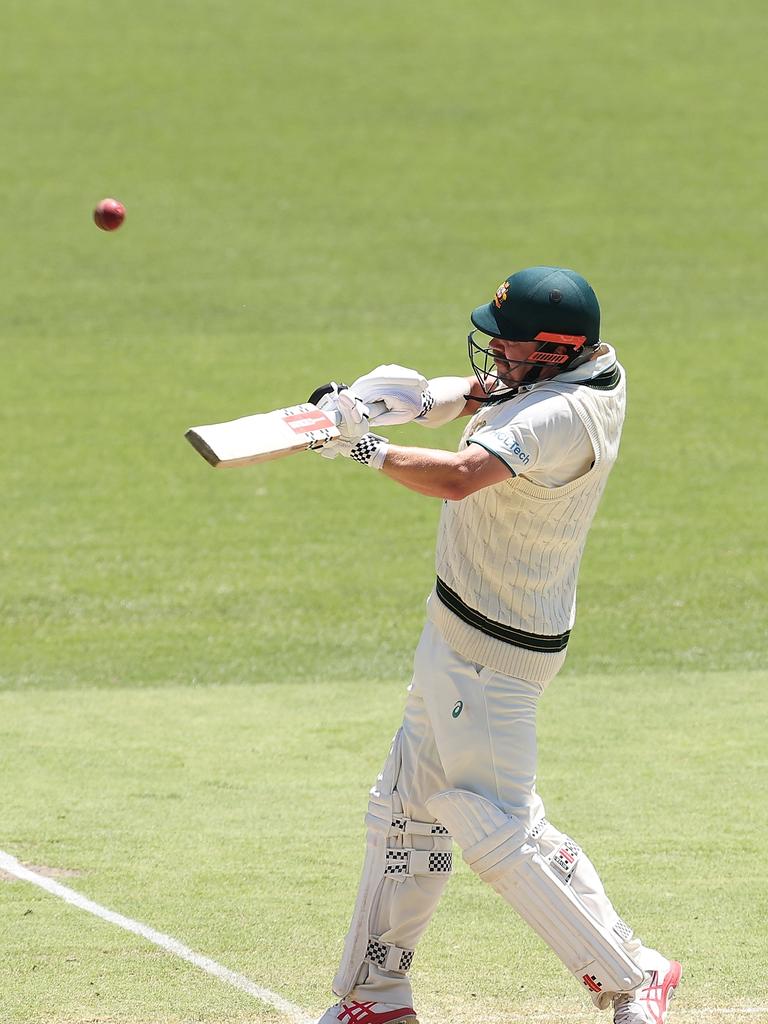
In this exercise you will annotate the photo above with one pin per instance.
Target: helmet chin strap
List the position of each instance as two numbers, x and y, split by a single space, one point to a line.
585 355
534 375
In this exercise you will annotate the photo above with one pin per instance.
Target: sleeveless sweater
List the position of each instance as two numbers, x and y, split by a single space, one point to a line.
508 556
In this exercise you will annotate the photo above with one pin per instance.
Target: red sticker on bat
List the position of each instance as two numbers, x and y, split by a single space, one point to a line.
314 419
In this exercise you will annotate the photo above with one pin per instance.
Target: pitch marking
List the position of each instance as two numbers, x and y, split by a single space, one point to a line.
295 1013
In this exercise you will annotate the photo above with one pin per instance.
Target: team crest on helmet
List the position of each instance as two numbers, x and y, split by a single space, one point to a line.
501 294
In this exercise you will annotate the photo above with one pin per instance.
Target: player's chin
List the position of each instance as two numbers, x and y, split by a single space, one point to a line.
502 376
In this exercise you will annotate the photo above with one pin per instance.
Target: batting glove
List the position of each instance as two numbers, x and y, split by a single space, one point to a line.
351 416
369 450
404 392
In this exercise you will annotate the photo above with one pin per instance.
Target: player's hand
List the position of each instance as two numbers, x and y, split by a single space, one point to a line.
351 417
363 450
404 392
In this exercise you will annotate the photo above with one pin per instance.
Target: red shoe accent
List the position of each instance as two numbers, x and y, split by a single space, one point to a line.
657 994
363 1013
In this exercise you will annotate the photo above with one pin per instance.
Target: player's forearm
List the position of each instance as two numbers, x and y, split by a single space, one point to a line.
430 471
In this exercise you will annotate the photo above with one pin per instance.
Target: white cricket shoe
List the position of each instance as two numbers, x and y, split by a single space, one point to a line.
649 1003
350 1011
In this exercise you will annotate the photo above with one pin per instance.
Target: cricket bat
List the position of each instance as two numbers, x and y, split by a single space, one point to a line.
267 435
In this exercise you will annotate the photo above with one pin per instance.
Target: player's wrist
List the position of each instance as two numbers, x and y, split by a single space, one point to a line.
370 450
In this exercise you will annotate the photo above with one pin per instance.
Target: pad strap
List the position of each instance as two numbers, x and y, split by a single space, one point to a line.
402 863
564 859
388 957
538 829
408 827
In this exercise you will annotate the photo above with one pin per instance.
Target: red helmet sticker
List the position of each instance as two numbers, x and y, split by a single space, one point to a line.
554 358
574 340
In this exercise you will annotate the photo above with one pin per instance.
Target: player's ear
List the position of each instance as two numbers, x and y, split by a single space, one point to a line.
331 388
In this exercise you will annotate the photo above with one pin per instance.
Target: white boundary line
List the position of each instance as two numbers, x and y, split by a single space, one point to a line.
290 1010
295 1013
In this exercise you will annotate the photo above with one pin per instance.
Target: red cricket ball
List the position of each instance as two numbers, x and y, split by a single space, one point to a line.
109 214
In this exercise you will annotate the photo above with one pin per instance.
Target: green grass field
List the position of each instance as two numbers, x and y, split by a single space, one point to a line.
199 671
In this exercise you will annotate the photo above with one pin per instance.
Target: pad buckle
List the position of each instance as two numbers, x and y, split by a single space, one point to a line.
388 957
403 863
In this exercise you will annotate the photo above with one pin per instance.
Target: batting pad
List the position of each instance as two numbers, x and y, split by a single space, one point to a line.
499 849
400 885
378 821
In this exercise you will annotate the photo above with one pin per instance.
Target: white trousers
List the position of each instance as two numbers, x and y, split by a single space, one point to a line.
471 728
468 727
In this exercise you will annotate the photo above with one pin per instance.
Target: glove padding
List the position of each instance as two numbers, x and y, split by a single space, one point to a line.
404 392
351 418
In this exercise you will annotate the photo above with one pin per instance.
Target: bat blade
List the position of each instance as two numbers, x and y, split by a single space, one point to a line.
268 435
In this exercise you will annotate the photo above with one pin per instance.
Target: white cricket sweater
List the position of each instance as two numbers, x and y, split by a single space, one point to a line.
508 555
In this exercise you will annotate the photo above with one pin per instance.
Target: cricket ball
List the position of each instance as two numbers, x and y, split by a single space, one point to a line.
109 214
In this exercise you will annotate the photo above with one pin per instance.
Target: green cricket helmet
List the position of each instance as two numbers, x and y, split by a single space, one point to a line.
549 305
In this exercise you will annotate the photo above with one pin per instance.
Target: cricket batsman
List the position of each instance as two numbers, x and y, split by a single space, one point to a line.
546 406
